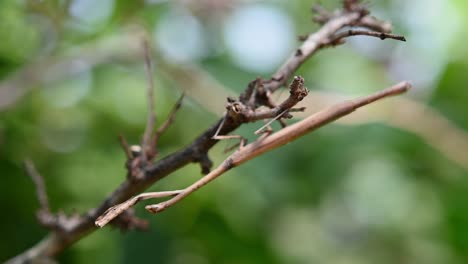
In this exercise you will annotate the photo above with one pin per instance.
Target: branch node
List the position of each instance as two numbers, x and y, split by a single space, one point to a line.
205 163
76 227
299 53
154 208
246 96
123 143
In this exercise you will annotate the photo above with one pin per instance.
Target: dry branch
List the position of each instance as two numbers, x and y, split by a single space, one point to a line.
116 210
197 151
39 184
380 35
151 119
260 146
125 147
320 39
399 113
164 126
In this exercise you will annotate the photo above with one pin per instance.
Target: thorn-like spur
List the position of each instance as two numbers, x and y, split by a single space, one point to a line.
266 128
242 140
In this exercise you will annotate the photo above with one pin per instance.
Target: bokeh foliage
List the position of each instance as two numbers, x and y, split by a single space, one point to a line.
344 194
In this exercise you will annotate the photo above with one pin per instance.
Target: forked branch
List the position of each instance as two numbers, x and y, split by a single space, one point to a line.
116 210
260 146
352 15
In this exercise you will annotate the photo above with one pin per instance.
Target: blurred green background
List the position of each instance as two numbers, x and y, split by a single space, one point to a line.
72 79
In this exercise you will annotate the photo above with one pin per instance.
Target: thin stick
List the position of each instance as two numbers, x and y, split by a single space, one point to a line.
356 32
310 46
261 129
312 122
116 210
168 121
39 184
125 147
52 245
216 134
280 138
151 120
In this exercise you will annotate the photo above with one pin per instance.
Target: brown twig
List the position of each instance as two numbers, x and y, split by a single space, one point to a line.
197 151
266 126
39 184
432 127
58 222
151 120
356 17
400 113
168 122
260 146
125 147
116 210
245 113
245 109
280 138
357 32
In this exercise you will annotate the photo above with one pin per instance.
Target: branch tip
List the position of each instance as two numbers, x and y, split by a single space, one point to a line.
332 23
167 123
125 147
116 210
151 119
154 209
38 181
